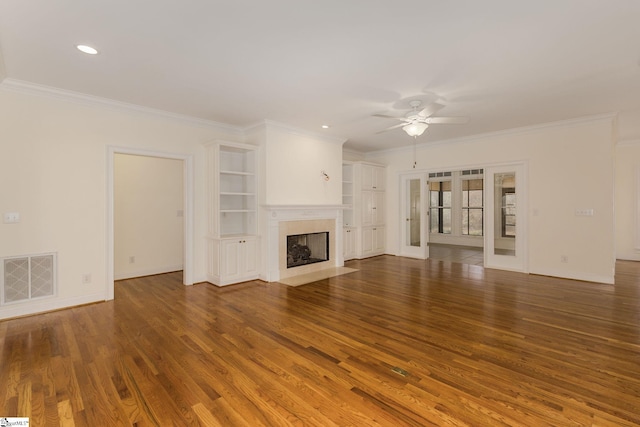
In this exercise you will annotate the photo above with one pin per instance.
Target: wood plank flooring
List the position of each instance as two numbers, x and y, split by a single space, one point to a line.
400 342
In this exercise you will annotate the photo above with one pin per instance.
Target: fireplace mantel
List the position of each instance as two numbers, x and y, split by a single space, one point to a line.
302 209
277 214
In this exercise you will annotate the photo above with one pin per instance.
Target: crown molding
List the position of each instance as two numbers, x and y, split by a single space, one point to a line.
349 152
28 88
523 129
266 124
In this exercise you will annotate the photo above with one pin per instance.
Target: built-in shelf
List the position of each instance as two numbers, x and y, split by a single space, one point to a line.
347 194
233 245
236 190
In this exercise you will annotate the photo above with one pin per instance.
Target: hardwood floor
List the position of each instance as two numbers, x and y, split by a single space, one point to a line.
399 342
456 253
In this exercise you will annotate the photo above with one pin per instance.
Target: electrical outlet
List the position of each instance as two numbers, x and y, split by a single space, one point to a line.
564 258
132 260
86 279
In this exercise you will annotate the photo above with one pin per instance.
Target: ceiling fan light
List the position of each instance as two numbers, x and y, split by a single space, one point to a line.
415 129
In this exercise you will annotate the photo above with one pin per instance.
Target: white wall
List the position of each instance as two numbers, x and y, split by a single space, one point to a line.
290 163
293 165
148 215
570 166
627 200
53 161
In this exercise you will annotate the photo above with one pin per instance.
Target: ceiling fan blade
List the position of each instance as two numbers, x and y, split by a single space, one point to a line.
392 127
446 120
430 109
384 116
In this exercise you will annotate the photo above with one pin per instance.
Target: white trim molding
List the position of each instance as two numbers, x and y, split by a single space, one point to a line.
20 86
46 305
637 208
472 138
264 124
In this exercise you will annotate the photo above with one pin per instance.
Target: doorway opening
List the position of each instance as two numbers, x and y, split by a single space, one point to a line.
470 216
186 212
456 215
148 215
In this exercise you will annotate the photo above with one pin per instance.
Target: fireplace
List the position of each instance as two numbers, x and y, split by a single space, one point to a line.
295 220
307 248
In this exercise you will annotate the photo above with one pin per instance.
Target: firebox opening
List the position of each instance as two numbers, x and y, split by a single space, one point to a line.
303 249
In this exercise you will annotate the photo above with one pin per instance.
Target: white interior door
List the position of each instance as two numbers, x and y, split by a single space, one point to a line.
413 216
506 218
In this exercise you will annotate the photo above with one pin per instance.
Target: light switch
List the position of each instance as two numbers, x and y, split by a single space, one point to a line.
11 217
584 212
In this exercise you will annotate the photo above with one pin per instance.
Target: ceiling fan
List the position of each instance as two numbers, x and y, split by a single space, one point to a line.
417 121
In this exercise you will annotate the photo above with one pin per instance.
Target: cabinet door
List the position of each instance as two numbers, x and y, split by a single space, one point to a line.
367 241
379 236
373 177
373 241
378 178
349 239
249 256
378 207
373 207
368 207
366 172
230 259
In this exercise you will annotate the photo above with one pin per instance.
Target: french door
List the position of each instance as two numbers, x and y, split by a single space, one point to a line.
506 217
413 218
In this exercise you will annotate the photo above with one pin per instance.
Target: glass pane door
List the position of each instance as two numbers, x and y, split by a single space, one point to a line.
506 218
412 219
413 210
504 233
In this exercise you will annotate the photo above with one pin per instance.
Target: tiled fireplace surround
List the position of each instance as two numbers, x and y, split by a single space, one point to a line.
284 220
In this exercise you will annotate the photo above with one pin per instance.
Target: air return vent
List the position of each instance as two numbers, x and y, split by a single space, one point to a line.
28 277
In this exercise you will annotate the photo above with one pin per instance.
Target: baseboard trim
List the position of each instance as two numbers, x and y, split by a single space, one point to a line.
43 306
146 272
575 275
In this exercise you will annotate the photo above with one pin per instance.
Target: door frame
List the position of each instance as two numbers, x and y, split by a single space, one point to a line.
187 159
422 251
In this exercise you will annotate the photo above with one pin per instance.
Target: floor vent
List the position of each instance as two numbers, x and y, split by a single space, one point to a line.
28 277
399 371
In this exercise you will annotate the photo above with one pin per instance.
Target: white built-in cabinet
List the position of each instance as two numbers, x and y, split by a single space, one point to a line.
350 232
373 177
363 195
232 239
372 207
349 236
373 241
238 259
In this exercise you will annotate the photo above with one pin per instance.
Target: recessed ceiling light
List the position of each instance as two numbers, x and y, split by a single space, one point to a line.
325 126
87 49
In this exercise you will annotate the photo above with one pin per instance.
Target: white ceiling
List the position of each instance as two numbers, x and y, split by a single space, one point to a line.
304 63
